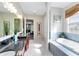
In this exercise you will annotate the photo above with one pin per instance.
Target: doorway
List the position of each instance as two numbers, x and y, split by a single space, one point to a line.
30 27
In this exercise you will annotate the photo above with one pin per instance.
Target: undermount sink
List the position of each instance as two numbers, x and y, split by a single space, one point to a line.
8 53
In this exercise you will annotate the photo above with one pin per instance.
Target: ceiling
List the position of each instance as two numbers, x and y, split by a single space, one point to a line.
39 8
35 8
2 9
60 4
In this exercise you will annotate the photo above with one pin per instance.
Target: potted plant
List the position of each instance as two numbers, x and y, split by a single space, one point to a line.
62 35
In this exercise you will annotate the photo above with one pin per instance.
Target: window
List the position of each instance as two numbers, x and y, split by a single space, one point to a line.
56 26
72 34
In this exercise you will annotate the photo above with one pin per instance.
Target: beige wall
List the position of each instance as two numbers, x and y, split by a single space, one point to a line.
46 30
37 19
1 26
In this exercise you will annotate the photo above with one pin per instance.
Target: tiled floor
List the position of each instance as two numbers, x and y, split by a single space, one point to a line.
37 48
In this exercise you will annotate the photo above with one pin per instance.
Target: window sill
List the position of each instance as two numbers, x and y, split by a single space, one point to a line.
62 48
